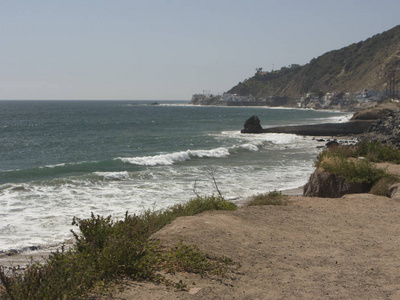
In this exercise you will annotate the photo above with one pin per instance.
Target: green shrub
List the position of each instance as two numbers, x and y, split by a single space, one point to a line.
64 276
184 258
374 151
351 170
155 220
272 198
378 152
105 250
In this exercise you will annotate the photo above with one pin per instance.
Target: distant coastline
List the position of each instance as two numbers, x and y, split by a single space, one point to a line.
329 101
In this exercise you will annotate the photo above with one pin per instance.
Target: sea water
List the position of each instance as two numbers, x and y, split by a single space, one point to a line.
60 159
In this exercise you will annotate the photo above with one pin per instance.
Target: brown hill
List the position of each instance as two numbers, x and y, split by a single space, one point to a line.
366 64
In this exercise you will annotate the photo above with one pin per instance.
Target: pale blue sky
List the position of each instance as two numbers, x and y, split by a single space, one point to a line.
171 49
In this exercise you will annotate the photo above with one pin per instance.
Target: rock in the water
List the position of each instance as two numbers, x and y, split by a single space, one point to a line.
333 143
252 125
12 252
328 185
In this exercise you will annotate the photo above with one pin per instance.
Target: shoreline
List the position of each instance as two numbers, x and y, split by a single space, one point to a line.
11 259
334 110
314 248
14 257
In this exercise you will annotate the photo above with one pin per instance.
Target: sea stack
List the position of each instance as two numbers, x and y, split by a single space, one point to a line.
252 125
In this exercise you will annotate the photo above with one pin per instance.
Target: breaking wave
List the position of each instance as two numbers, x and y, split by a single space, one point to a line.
171 158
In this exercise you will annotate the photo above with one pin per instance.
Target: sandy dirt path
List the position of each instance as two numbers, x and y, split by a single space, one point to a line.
314 248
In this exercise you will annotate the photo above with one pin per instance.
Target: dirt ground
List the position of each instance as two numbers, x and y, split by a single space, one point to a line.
314 248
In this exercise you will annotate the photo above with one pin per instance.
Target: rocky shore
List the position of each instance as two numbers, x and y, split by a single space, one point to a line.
384 128
378 123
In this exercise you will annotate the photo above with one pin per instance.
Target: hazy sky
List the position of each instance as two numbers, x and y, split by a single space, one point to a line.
171 49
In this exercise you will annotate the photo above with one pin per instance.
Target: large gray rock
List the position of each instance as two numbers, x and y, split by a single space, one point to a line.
328 185
252 125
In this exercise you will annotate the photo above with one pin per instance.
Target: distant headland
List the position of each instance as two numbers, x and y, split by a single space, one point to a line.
352 78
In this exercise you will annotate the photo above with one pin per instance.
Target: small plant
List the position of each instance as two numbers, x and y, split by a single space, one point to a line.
191 259
272 198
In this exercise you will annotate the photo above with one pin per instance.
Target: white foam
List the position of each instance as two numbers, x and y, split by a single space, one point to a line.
250 147
259 139
45 211
336 119
171 158
53 166
281 138
113 175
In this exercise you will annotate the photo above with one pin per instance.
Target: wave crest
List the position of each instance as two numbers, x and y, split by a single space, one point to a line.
171 158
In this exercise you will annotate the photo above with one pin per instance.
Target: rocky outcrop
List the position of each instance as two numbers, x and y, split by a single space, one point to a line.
385 130
252 125
380 111
328 185
371 114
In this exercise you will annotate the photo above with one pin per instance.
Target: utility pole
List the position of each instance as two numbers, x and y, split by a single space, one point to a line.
393 92
392 84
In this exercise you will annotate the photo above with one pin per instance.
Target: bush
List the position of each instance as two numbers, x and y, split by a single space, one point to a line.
272 198
351 170
378 152
105 250
191 259
373 151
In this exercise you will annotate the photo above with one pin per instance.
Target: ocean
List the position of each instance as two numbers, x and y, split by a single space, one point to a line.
60 159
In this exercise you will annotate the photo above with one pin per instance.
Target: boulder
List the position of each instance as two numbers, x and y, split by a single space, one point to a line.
394 191
252 125
327 185
332 144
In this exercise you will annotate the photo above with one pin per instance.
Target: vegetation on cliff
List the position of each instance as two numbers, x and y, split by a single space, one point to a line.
366 64
351 169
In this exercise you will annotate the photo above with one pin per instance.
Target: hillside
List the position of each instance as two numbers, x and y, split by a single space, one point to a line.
361 65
